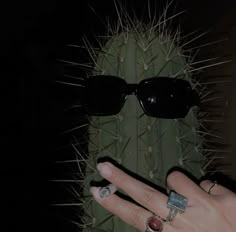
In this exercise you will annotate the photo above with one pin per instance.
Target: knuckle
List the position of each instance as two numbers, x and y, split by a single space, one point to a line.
118 175
149 197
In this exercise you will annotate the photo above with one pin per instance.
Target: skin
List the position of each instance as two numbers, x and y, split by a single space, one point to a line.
205 212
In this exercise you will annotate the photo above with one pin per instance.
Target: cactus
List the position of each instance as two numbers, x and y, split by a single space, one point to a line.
146 146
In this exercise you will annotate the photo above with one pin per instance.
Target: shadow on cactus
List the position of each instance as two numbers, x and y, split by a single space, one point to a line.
132 134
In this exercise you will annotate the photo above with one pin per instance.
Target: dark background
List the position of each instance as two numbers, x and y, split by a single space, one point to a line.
33 36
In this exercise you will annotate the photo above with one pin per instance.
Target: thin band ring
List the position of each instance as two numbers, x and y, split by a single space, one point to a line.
213 185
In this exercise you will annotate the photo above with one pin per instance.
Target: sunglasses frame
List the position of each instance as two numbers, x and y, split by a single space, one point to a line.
124 89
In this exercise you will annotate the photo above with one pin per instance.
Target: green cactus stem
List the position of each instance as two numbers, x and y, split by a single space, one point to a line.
146 146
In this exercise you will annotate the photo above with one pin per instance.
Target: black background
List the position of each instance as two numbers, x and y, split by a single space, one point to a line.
33 36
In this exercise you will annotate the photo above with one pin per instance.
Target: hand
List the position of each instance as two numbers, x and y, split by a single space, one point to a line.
205 212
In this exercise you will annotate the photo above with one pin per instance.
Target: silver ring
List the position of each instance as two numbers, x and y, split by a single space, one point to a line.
154 224
106 191
214 184
177 204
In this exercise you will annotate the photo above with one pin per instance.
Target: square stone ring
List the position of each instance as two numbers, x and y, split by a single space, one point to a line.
177 204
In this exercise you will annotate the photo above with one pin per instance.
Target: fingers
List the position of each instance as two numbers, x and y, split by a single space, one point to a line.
126 211
213 188
140 192
130 213
180 183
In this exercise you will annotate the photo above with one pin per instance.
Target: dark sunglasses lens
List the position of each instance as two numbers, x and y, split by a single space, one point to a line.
104 95
165 97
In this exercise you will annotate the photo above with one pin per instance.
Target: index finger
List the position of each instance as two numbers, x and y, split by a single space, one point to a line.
145 195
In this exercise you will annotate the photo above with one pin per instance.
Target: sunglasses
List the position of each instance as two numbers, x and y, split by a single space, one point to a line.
160 97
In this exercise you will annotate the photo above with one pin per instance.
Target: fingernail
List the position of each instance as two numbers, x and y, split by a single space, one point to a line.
104 169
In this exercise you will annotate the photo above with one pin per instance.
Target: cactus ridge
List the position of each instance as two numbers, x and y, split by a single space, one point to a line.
146 146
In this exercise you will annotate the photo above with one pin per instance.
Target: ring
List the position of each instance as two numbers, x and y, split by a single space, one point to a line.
214 184
106 191
154 224
177 204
